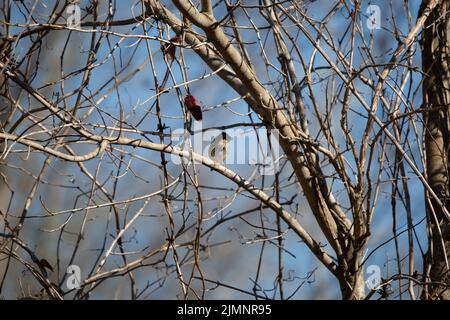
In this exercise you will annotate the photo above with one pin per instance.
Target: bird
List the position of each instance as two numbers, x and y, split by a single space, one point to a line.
194 106
219 147
170 50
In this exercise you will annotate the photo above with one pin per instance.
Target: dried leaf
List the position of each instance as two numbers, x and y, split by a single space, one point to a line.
45 264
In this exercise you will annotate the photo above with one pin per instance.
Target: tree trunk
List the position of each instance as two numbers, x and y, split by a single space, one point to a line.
353 286
436 99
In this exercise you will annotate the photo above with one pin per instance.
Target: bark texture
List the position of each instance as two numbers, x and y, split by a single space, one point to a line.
436 95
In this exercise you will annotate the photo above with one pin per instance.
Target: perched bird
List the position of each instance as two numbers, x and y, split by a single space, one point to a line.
171 48
169 51
194 106
219 147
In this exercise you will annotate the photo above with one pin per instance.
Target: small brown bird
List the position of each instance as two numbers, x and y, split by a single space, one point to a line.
194 106
171 48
